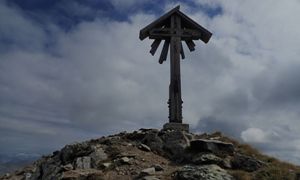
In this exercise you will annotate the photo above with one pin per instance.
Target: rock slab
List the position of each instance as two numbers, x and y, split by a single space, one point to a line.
83 162
206 172
246 163
214 146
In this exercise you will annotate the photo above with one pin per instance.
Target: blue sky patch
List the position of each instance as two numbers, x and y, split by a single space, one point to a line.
67 14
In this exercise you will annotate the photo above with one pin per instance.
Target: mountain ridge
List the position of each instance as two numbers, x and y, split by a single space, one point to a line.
153 154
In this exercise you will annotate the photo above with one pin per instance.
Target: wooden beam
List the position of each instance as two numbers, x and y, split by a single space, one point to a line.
157 23
175 105
186 23
192 32
161 30
189 23
182 51
154 46
164 52
168 37
164 36
190 44
163 33
173 31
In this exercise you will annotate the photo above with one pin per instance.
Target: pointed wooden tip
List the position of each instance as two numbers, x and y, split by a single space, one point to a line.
177 7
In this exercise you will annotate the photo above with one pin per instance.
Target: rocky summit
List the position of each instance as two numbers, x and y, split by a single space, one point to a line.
150 154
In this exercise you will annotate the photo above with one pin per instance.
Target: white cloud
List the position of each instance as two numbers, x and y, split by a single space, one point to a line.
254 135
261 41
278 141
16 30
100 78
125 4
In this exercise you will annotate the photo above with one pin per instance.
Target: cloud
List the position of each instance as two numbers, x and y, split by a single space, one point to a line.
260 88
16 31
125 4
280 141
88 84
98 78
231 128
254 135
277 86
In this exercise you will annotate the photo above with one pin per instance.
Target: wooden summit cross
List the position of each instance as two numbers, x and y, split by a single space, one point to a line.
174 27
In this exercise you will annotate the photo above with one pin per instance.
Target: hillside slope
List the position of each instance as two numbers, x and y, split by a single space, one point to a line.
151 154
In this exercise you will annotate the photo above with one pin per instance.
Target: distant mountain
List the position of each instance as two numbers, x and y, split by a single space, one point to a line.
150 154
12 162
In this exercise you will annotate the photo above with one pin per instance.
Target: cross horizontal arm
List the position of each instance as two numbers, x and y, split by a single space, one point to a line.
185 34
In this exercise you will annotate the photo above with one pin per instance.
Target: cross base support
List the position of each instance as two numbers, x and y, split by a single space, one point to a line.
176 126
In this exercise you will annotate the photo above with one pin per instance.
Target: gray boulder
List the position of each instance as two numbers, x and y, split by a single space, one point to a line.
70 152
97 156
48 169
175 144
124 160
153 141
67 167
144 147
246 163
214 146
105 165
205 172
206 159
148 171
83 162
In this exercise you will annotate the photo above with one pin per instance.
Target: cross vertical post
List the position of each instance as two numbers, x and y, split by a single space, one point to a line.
175 101
173 28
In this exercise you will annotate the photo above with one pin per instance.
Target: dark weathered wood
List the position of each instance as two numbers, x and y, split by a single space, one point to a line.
174 27
175 101
190 44
182 51
164 52
163 33
154 46
191 32
187 23
184 38
157 23
167 36
171 31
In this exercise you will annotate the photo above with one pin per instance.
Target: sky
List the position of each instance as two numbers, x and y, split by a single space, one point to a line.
75 70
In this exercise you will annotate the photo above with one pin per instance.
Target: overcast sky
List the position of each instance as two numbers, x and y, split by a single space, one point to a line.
74 70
